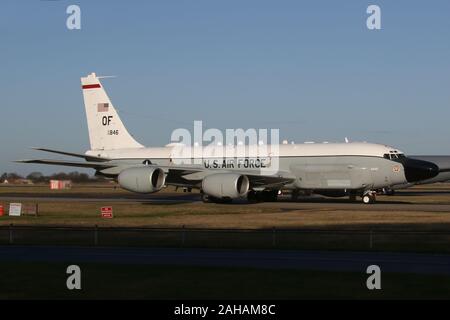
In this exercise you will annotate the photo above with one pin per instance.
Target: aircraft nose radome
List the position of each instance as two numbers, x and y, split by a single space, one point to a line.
418 170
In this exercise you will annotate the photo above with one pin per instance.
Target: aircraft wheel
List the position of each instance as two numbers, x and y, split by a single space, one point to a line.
252 196
205 198
270 196
368 198
208 199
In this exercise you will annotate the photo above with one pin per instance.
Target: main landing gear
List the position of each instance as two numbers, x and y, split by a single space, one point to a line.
208 199
262 196
252 196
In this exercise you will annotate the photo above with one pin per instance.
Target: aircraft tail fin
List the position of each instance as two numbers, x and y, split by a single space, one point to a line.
106 130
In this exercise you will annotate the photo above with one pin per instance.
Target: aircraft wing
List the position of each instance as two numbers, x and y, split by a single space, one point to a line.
189 176
269 181
193 177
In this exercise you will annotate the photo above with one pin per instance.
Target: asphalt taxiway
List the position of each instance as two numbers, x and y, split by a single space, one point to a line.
385 204
271 259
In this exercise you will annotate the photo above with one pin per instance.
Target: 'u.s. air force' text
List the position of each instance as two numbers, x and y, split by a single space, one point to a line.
239 163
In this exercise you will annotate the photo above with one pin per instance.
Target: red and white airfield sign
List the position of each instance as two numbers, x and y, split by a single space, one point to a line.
107 212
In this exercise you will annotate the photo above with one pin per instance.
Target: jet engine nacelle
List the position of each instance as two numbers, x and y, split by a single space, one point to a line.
142 180
225 185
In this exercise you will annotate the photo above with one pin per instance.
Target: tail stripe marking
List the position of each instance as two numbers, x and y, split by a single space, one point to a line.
91 86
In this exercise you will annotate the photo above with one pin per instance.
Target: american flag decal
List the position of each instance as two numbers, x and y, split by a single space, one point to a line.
102 107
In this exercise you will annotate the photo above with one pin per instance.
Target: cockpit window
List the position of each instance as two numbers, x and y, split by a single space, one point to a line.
394 155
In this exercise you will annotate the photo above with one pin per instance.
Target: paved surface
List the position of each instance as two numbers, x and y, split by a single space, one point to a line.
91 197
307 260
176 198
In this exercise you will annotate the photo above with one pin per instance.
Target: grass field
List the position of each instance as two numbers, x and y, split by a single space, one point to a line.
98 281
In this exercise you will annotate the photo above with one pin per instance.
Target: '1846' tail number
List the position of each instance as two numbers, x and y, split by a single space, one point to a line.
113 132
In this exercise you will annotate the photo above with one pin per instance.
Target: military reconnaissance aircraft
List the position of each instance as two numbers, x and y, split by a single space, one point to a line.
336 169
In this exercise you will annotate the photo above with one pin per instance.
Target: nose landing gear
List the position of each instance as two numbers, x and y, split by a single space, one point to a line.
369 197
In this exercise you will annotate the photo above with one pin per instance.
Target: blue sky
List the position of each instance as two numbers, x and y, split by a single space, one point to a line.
310 68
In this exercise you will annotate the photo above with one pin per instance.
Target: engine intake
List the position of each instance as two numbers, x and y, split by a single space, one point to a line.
142 180
226 185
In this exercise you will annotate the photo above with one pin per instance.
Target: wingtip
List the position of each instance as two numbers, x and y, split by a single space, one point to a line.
21 161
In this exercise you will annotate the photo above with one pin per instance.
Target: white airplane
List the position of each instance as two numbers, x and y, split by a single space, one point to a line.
334 169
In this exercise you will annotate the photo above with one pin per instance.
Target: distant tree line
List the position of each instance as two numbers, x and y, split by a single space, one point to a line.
38 177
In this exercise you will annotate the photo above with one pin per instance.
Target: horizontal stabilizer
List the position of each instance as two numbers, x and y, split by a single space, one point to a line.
93 165
77 155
